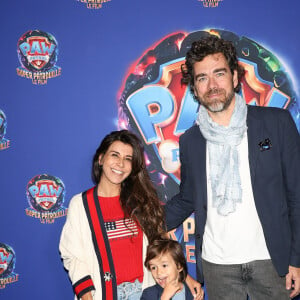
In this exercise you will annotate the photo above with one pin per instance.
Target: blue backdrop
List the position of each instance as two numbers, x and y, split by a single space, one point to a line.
54 128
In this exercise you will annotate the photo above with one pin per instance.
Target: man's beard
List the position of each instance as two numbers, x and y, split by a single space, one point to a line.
217 105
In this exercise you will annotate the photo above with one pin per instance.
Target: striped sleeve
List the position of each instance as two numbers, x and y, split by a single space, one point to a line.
83 286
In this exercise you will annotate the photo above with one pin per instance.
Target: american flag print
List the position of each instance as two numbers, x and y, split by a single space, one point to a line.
121 229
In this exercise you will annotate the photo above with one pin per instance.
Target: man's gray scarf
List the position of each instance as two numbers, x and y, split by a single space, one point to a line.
222 142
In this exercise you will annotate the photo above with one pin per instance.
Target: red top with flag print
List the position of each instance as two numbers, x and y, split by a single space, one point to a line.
125 239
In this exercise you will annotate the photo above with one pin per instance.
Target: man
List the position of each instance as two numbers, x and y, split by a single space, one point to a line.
240 171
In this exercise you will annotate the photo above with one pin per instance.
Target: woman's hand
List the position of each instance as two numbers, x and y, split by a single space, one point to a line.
87 296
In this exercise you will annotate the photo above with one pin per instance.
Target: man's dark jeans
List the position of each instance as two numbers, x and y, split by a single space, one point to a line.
257 279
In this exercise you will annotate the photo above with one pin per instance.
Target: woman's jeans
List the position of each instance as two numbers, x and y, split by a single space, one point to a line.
129 290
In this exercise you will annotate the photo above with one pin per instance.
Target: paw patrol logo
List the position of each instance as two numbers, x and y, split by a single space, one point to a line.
45 194
93 4
7 265
37 52
210 3
4 143
159 108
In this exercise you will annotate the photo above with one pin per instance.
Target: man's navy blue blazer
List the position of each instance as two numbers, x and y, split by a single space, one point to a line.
275 178
154 293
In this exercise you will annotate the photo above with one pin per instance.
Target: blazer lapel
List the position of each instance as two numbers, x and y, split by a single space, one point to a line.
255 131
198 152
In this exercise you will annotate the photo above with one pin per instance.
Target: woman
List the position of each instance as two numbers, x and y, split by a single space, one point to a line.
104 239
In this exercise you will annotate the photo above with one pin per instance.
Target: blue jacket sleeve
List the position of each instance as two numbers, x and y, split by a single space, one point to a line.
291 174
181 205
151 293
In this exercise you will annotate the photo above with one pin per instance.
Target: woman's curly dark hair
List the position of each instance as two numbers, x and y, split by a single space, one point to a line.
207 46
138 196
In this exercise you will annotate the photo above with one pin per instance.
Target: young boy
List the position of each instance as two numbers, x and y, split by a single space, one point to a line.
166 261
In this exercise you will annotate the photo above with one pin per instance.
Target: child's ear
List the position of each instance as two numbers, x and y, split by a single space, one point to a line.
179 268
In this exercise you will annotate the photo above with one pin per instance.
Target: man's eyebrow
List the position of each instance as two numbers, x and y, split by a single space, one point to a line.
214 71
200 75
220 70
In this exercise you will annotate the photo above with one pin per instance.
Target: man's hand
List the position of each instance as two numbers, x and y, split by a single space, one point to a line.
293 281
195 288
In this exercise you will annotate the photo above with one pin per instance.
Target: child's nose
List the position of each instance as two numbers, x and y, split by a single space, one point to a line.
159 271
